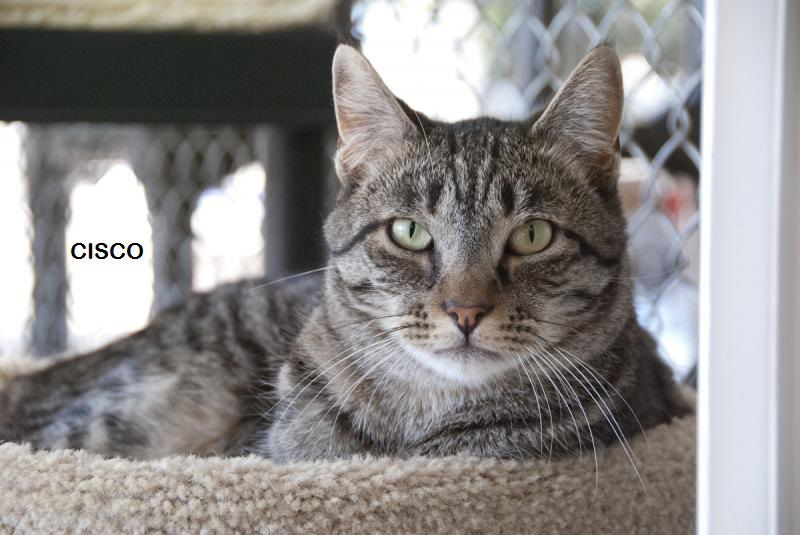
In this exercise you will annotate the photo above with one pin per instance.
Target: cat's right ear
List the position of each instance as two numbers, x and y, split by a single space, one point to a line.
372 124
582 121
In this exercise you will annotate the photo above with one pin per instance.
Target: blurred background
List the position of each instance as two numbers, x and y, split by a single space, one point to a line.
207 137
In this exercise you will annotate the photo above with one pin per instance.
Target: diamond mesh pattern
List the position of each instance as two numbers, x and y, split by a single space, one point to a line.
508 57
164 187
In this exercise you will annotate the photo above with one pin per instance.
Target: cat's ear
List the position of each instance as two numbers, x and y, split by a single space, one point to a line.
372 123
583 119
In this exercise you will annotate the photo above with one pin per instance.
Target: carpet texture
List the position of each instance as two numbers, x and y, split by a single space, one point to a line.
59 491
198 15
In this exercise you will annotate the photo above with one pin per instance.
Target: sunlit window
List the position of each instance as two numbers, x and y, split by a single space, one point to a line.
16 278
228 244
108 297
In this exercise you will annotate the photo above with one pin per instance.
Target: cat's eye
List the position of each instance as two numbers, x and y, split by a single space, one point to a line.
410 235
531 237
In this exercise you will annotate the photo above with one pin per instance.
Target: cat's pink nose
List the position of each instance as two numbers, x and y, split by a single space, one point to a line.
466 317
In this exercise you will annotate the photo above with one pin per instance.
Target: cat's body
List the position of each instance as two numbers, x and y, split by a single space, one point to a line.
195 380
478 300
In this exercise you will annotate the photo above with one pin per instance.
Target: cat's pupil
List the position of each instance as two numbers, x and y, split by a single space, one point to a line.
412 228
530 232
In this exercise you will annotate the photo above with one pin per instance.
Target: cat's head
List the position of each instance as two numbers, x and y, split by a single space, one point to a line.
480 241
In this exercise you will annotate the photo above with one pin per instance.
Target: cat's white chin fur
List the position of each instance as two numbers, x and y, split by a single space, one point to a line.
470 372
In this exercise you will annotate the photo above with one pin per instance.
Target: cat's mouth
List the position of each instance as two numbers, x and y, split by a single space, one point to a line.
467 364
468 351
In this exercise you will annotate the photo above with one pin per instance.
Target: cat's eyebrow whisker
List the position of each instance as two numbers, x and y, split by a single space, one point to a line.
296 275
425 137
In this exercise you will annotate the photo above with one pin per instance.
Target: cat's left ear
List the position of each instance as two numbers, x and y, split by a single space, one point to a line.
372 123
583 119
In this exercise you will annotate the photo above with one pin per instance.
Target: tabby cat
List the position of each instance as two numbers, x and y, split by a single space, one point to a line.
478 300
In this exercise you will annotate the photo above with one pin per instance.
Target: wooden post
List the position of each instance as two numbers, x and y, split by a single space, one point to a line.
296 166
47 197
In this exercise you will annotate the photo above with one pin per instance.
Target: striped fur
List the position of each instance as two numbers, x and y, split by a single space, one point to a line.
196 380
559 365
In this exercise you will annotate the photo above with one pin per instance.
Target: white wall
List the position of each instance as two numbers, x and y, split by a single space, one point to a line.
750 298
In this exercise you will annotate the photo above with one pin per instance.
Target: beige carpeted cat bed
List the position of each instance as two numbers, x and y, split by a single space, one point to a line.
202 15
76 491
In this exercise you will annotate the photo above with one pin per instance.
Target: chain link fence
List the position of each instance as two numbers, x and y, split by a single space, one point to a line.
194 195
454 59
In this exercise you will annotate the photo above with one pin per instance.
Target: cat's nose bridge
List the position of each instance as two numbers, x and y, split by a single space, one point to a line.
467 275
468 288
476 254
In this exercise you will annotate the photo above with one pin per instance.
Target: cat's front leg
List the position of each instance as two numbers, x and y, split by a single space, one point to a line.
494 442
312 432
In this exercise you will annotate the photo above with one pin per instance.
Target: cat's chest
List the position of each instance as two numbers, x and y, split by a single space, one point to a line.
403 418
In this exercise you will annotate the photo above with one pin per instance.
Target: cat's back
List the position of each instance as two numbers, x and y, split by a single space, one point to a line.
248 315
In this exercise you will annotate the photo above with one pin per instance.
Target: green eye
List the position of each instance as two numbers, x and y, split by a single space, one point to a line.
531 237
410 235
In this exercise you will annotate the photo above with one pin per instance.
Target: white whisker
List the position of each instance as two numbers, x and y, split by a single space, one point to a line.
536 396
589 427
547 403
349 392
296 275
613 423
318 373
562 398
384 340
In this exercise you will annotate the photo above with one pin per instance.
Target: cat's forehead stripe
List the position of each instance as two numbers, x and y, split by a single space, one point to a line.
433 192
451 162
507 197
492 150
468 168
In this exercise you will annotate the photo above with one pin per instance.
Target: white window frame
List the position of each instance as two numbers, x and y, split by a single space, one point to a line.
748 463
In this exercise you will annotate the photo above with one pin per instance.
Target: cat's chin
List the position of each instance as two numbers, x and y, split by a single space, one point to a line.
466 365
